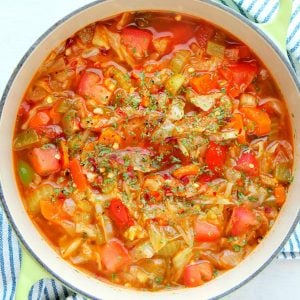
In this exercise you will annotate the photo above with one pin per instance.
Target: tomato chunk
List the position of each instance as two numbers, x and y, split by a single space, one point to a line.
90 87
120 214
45 160
136 40
204 84
215 156
248 164
195 274
239 76
114 256
206 232
242 221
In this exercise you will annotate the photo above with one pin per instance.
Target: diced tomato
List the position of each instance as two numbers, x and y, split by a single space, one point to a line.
260 120
242 221
41 118
203 34
136 40
239 76
195 274
45 161
206 232
114 256
50 131
204 84
215 156
120 214
248 164
188 170
90 87
77 174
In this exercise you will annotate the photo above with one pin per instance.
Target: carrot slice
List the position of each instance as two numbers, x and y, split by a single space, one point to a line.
260 119
109 136
77 174
237 123
187 170
280 194
204 84
63 148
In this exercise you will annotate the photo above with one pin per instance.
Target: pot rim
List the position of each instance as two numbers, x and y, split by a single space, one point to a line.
45 35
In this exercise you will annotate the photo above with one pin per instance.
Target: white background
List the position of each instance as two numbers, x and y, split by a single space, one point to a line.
21 23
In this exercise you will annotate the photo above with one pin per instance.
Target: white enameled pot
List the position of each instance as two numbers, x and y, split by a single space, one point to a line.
265 48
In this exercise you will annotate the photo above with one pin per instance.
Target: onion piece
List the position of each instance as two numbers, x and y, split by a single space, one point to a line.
271 148
71 247
248 100
180 260
157 237
275 104
143 250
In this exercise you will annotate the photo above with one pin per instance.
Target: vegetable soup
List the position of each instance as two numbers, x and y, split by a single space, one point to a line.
153 150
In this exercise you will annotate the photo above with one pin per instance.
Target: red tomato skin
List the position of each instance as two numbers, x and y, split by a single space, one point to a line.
120 214
114 256
215 157
206 232
248 164
195 274
241 221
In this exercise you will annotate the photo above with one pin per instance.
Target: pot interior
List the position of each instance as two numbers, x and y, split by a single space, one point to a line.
13 205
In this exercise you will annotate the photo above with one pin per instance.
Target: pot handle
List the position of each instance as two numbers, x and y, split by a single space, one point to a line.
30 272
277 28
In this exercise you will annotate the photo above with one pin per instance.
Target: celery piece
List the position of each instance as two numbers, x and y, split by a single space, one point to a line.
283 173
215 49
26 139
174 83
179 60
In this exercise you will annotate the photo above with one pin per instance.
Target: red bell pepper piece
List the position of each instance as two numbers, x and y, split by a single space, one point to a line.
120 214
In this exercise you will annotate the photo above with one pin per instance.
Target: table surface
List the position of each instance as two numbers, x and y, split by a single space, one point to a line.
21 23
